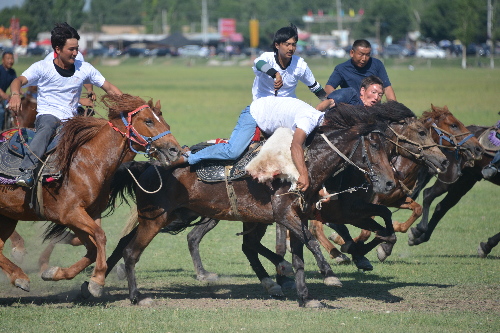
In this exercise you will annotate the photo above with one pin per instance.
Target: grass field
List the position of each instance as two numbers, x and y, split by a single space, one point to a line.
439 286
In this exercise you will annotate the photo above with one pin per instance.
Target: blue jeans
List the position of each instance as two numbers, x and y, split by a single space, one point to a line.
240 139
45 126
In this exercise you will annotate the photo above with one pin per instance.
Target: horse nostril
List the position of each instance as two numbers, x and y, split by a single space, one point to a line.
173 151
390 185
445 163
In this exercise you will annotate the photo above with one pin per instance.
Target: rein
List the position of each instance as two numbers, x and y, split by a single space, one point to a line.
132 134
400 137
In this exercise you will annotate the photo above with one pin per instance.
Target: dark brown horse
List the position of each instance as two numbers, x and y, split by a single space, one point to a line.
457 143
89 152
185 197
454 188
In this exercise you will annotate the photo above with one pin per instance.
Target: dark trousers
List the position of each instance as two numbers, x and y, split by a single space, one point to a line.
45 126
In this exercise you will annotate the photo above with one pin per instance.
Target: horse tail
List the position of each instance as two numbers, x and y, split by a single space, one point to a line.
54 230
122 184
131 223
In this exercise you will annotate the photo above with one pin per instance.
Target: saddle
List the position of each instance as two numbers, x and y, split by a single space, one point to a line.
13 149
490 140
218 171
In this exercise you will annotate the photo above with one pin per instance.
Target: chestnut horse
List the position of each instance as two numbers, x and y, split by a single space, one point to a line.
459 146
455 189
186 197
89 152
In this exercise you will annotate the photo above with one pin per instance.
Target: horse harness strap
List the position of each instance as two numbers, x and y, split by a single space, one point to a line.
231 194
450 138
341 154
400 137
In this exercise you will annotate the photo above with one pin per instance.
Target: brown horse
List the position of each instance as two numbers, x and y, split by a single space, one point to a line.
185 196
89 152
455 189
457 143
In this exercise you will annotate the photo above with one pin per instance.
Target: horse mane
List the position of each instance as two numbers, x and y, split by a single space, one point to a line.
391 111
79 130
435 112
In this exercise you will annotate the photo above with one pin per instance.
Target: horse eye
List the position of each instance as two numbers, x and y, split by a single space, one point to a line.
149 122
454 126
422 133
375 145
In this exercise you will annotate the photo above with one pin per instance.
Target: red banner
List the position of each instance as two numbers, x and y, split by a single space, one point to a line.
227 27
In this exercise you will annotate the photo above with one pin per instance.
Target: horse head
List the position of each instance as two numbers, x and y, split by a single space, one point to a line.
451 134
143 124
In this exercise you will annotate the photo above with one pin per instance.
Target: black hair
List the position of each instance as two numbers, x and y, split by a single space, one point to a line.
7 52
369 80
361 43
61 33
284 34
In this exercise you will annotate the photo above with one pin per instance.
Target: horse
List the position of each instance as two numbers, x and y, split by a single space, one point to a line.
485 247
88 153
185 197
459 146
455 189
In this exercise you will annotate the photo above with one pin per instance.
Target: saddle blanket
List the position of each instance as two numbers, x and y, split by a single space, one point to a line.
490 140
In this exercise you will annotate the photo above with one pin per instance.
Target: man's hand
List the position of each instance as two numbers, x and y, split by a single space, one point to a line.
15 102
278 82
303 182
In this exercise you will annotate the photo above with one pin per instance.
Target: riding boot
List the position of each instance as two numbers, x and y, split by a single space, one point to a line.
491 169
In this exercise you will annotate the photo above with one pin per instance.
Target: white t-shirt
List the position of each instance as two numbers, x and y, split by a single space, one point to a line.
52 55
58 95
263 85
272 112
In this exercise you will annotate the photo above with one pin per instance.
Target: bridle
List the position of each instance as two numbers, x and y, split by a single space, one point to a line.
132 134
452 139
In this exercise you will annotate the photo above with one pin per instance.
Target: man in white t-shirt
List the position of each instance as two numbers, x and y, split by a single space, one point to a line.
59 89
269 113
277 73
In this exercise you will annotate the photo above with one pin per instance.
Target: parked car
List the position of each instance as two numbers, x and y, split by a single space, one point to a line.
395 50
336 52
430 51
193 51
37 51
136 52
312 51
163 52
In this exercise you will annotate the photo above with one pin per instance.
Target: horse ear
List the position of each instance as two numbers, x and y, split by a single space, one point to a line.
432 107
158 105
445 108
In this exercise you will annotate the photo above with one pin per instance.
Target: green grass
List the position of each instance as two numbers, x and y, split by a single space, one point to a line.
439 286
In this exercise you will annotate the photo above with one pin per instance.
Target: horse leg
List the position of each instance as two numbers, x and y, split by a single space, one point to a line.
18 250
422 233
316 228
43 260
281 246
416 213
251 247
485 247
15 274
194 238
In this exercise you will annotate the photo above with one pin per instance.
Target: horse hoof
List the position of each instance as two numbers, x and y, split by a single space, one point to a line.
313 304
272 287
480 250
332 281
120 272
362 263
95 289
342 259
49 273
17 255
285 268
146 302
381 255
209 277
84 289
286 282
22 284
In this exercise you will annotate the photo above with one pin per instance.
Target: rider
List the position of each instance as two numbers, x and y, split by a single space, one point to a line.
268 113
277 73
491 169
7 75
60 86
351 72
370 94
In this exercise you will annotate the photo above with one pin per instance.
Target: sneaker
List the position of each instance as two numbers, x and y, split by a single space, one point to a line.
25 179
489 171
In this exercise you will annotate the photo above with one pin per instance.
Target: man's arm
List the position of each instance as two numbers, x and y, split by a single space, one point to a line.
389 93
111 89
326 104
264 67
299 137
15 90
329 89
3 95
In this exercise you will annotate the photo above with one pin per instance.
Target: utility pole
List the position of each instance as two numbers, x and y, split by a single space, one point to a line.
339 15
489 28
204 21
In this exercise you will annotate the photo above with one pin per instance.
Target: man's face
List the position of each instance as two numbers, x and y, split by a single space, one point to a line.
286 49
8 61
372 95
360 56
68 52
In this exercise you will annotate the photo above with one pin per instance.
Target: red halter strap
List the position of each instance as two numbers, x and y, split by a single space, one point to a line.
131 133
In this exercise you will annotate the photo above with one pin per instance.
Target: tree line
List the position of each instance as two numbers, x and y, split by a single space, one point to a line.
435 19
